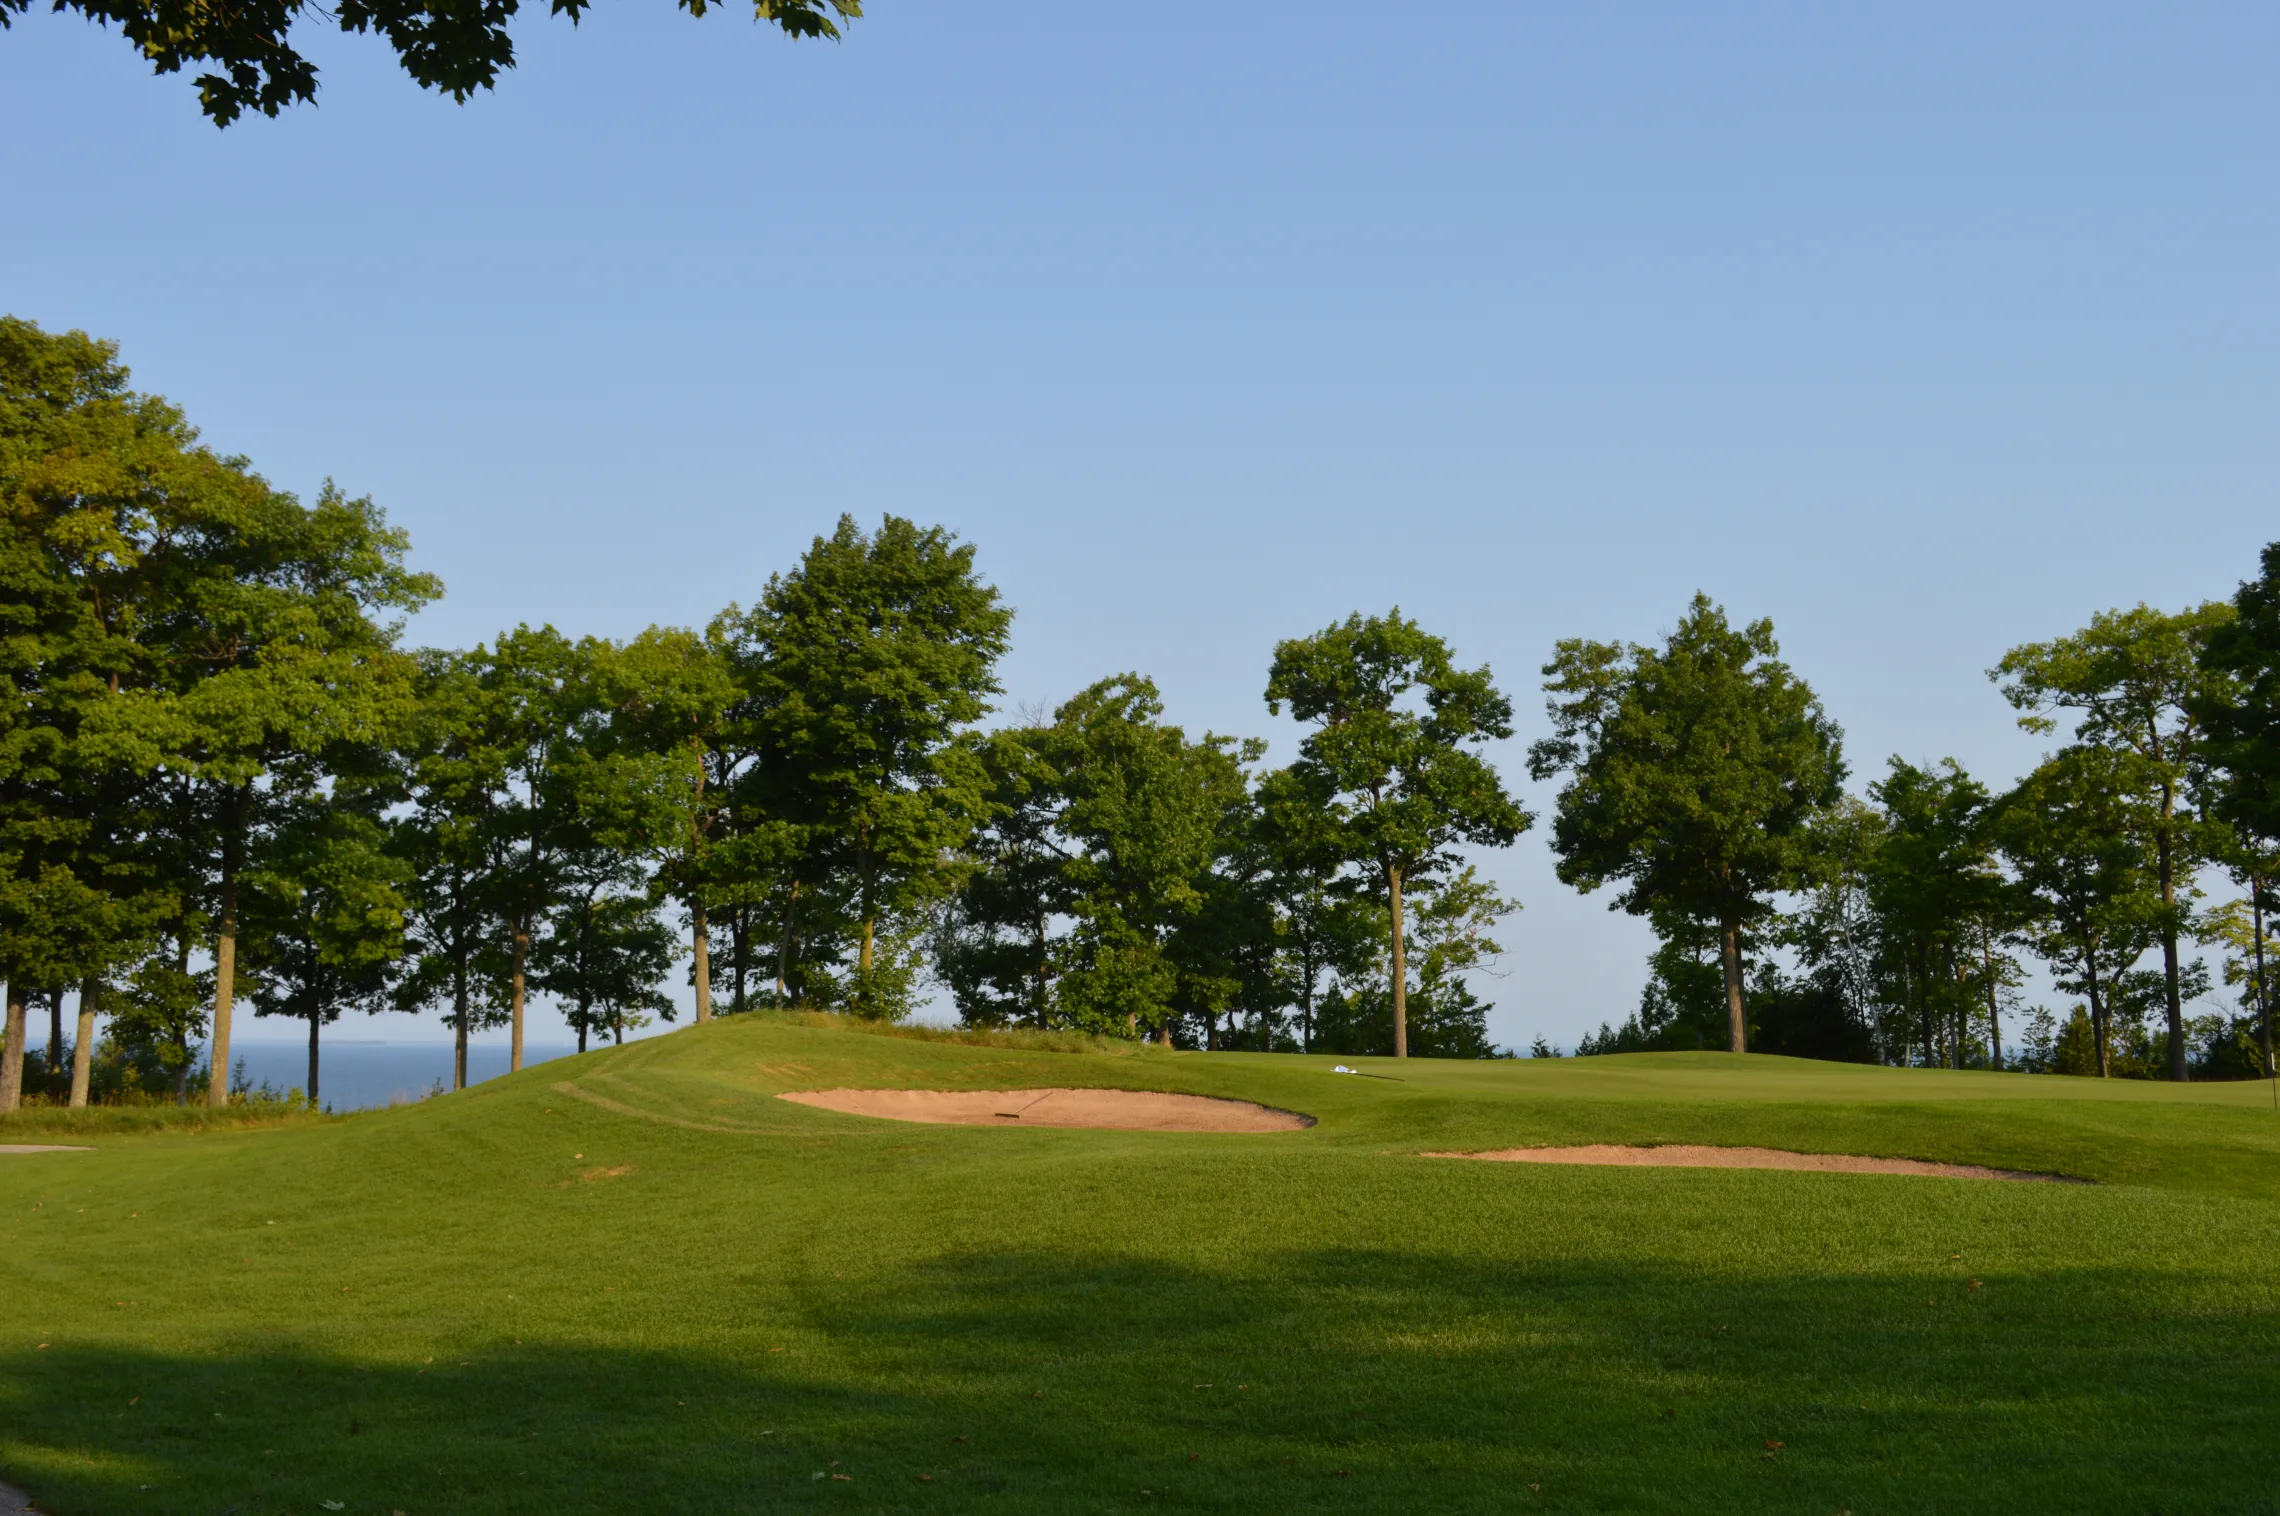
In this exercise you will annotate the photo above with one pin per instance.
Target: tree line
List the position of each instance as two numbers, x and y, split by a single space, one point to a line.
225 782
1705 779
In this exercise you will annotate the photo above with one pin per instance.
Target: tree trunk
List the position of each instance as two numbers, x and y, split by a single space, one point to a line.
2263 994
1164 1032
1994 1000
52 1064
521 938
225 949
12 1051
2097 1010
700 931
315 1021
459 1026
784 948
585 1009
1730 959
1400 968
2174 1003
83 1051
740 935
1211 1031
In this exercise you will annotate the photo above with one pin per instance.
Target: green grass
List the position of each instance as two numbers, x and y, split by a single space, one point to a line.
668 1291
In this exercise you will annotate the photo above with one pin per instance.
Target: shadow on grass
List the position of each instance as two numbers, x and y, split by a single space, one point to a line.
1307 1381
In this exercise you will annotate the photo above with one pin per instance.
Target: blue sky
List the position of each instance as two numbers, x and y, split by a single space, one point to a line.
1923 330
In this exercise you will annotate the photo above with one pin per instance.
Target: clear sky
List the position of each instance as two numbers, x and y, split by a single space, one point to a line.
1924 330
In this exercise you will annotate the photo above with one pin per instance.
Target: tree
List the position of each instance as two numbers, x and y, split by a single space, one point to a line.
1448 938
2245 928
1941 903
104 496
272 650
1142 814
1697 770
666 782
2239 709
604 956
867 662
325 913
2074 834
452 956
454 49
169 612
1000 950
537 707
1397 726
1323 926
2137 682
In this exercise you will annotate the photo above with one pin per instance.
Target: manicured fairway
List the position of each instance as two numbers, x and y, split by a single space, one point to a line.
663 1290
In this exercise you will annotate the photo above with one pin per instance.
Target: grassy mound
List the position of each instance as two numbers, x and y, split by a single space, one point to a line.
636 1281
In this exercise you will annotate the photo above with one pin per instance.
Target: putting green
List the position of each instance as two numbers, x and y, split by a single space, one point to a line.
638 1281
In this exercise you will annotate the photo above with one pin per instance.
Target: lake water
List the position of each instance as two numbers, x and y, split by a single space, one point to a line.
356 1076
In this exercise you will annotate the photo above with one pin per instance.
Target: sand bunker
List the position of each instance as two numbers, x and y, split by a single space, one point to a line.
40 1147
1129 1110
1680 1156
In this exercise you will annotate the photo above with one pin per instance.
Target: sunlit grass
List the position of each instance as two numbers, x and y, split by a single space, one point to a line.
698 1297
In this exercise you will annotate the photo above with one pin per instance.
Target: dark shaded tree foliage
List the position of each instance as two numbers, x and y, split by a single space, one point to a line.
250 63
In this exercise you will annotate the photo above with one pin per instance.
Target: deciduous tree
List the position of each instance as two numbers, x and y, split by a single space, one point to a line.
2136 681
1696 771
1397 732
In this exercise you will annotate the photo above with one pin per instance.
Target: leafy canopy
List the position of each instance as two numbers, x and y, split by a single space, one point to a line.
1696 768
457 48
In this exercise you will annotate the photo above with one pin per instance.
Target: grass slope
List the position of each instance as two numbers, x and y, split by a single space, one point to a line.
634 1281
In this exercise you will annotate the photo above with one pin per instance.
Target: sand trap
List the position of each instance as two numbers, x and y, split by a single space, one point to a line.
39 1147
1681 1156
1129 1110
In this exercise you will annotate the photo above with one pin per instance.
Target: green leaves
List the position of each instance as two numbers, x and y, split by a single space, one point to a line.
1396 724
456 49
1695 769
1395 727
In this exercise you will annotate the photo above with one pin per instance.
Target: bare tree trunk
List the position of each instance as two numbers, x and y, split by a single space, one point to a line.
12 1051
459 1026
740 935
1730 959
83 1051
1306 1010
225 963
521 939
52 1064
700 931
315 1021
585 1008
1400 967
2174 1003
1994 999
1211 1031
1164 1032
2263 993
2097 1011
784 948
